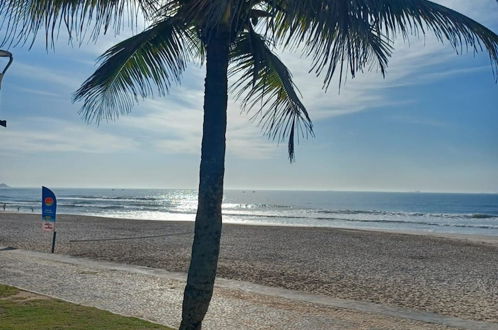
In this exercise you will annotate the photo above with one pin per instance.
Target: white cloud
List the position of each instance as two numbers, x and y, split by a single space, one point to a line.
66 80
36 91
50 135
174 126
429 77
367 90
484 11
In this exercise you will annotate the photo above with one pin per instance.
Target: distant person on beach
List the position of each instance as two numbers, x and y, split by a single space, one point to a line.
18 208
4 206
32 209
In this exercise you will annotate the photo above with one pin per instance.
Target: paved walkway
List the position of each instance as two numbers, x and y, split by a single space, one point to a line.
155 295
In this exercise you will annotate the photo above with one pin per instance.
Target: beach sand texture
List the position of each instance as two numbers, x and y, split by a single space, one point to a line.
449 276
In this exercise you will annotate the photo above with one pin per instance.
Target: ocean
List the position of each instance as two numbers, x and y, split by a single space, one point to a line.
422 212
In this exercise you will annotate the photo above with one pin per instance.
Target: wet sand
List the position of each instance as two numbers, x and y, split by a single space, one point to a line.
446 275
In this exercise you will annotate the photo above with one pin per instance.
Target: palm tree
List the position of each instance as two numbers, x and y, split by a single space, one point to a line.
234 38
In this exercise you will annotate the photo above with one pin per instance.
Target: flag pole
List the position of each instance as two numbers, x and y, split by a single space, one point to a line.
53 241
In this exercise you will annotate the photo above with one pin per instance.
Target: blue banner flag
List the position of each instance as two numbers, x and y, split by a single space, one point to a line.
49 207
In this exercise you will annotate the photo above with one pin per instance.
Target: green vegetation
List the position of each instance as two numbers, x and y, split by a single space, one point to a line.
6 291
25 310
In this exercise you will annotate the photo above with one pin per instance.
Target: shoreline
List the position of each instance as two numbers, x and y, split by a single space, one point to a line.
475 238
455 276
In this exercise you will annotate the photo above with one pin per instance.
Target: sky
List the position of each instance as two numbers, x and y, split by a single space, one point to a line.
430 125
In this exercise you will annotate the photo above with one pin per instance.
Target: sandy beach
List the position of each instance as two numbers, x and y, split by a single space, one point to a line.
446 275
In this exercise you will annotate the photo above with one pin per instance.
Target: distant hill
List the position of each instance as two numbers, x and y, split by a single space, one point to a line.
3 185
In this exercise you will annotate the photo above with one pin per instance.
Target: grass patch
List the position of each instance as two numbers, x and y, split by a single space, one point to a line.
24 310
6 291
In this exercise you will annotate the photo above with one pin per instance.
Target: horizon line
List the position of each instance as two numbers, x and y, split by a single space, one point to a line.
271 189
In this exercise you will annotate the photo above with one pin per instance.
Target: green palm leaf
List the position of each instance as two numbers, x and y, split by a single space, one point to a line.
335 34
23 19
135 67
265 83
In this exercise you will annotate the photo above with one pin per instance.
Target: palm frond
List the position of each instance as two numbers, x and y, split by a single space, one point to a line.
265 84
211 16
22 20
135 67
355 33
206 13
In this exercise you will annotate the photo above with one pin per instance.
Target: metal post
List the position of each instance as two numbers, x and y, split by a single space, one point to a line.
53 241
4 53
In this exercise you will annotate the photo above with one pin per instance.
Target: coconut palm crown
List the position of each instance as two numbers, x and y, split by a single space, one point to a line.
233 38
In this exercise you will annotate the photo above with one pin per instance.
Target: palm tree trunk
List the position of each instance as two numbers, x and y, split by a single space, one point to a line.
206 245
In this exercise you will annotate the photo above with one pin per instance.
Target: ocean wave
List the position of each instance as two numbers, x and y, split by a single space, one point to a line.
463 216
254 206
480 216
411 214
117 198
378 221
109 202
29 203
352 212
418 223
84 206
101 207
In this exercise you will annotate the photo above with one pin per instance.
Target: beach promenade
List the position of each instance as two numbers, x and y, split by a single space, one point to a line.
156 295
454 277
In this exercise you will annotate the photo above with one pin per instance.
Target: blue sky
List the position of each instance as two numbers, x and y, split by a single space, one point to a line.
431 125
